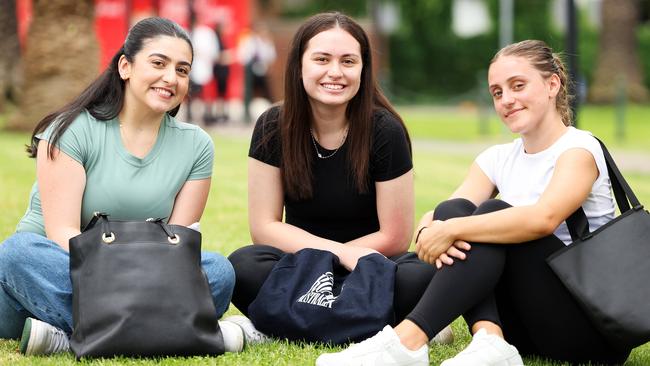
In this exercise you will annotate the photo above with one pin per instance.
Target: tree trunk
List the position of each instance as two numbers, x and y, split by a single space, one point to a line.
618 69
61 58
9 54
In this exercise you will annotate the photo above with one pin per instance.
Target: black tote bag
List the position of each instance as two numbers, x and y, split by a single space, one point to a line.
309 296
608 270
138 290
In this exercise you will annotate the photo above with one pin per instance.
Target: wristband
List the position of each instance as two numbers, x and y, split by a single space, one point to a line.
418 234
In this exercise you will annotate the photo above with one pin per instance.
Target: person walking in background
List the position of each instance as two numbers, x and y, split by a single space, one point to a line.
221 72
491 253
256 52
205 55
336 158
116 148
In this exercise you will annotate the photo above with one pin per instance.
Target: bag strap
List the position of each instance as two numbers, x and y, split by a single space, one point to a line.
96 216
109 236
167 229
622 190
578 224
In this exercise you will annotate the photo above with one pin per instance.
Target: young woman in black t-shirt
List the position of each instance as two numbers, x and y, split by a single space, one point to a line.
335 157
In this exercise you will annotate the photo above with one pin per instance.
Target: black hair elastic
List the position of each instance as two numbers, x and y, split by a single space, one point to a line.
418 234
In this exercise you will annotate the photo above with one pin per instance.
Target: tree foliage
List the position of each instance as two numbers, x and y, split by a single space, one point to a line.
429 60
305 8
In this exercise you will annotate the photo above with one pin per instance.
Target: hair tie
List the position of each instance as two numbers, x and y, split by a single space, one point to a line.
419 232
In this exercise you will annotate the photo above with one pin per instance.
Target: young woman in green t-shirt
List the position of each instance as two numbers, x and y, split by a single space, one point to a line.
116 148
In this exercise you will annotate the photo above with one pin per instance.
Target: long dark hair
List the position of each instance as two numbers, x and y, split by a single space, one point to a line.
296 113
104 97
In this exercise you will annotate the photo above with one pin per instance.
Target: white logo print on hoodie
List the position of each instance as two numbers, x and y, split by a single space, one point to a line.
320 292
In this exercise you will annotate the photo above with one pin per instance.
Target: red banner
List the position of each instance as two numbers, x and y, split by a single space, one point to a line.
111 26
24 16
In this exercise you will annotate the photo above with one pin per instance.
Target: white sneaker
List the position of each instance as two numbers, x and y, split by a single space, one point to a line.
383 349
41 338
251 334
445 336
486 350
233 336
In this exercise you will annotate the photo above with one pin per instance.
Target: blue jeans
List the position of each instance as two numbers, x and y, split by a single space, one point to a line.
35 282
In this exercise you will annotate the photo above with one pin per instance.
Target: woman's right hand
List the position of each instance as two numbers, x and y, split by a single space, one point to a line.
349 255
433 241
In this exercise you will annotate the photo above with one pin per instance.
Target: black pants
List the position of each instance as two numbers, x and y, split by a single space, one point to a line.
511 285
254 263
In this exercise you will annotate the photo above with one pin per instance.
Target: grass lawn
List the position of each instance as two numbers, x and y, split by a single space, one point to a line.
439 167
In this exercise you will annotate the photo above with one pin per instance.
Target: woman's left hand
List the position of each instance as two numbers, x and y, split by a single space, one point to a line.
349 255
456 251
433 241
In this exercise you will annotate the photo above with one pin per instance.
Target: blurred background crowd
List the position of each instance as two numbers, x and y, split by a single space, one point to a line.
429 51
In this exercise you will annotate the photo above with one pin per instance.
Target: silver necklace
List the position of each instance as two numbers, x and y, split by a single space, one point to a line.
314 141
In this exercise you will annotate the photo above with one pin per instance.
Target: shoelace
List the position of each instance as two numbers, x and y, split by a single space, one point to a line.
259 336
58 341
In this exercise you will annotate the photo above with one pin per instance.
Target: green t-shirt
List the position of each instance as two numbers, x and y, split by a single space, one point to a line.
120 184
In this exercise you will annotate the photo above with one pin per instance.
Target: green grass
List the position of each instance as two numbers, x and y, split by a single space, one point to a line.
439 168
463 124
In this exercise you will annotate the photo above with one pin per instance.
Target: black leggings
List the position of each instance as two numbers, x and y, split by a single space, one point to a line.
253 264
511 285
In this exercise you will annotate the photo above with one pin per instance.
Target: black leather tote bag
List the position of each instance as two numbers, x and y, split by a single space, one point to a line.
608 270
309 296
138 290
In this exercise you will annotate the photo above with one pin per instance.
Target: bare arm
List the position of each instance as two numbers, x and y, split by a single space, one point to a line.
61 184
476 187
395 208
575 168
265 207
190 202
266 203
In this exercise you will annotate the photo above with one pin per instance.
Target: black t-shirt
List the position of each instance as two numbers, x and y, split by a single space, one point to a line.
337 211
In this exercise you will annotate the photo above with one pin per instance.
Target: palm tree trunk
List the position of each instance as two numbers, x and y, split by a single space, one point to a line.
9 54
61 58
618 68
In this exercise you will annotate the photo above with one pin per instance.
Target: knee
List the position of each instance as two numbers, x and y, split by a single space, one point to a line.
491 205
13 253
456 207
240 257
219 272
248 258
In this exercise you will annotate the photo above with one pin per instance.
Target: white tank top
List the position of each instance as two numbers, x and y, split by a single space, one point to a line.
521 178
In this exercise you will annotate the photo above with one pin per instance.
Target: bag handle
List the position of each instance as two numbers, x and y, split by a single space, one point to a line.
622 190
171 236
96 216
108 236
578 224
